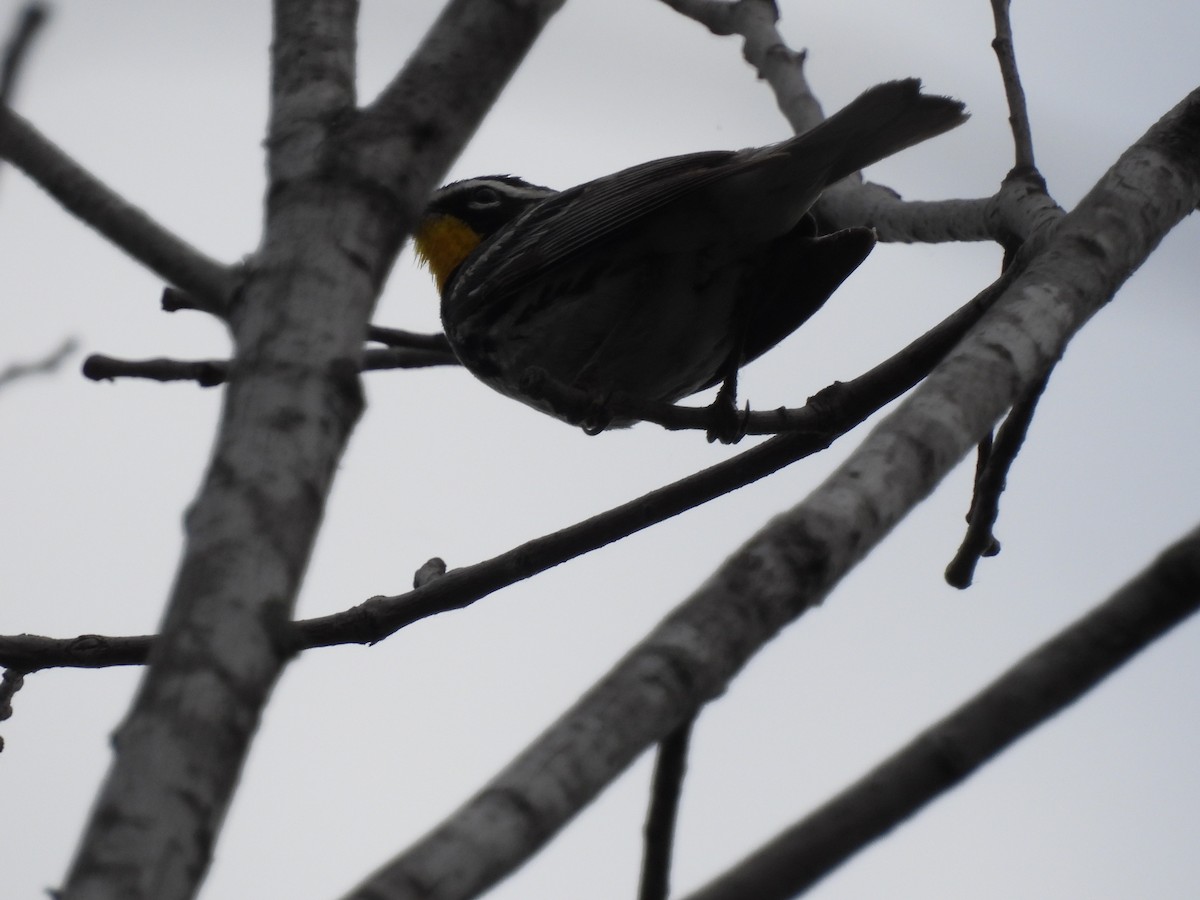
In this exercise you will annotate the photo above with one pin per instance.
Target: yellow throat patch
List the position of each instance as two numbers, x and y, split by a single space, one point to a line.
442 243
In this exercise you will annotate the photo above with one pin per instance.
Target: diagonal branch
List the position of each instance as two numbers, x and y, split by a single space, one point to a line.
29 21
87 198
48 363
126 226
1038 687
834 411
762 47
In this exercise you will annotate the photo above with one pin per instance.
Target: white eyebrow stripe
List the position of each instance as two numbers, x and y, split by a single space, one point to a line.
529 192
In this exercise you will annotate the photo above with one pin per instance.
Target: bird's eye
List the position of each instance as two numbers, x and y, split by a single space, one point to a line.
485 197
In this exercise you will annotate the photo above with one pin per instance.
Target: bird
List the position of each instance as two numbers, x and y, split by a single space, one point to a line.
661 280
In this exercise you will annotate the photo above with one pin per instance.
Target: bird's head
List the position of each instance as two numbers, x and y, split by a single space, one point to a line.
463 214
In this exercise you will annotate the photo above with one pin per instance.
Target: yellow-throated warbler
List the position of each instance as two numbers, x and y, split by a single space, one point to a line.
660 280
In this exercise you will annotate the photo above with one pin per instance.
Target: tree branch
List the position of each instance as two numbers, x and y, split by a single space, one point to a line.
796 560
1038 687
126 226
1018 113
763 47
990 480
49 363
665 790
11 681
212 372
410 340
30 20
313 58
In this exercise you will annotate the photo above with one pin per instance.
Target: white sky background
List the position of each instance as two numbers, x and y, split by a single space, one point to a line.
363 749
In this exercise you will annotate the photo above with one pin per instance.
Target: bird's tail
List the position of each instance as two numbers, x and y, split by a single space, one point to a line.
882 121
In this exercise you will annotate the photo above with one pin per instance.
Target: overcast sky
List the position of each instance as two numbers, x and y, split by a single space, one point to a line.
364 749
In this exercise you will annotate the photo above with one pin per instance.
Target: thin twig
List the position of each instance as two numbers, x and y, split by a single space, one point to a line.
29 21
205 372
665 790
212 372
979 541
994 461
43 366
175 300
764 48
1042 684
395 337
97 205
982 454
10 682
1018 113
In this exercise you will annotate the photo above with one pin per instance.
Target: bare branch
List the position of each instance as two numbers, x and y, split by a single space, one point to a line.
665 790
762 47
123 224
45 365
174 300
212 372
10 682
979 540
395 337
31 653
29 21
205 372
1019 209
1038 687
796 560
377 618
341 197
80 193
1018 113
312 86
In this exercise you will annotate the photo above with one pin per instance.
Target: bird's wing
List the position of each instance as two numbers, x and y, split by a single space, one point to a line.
792 280
563 225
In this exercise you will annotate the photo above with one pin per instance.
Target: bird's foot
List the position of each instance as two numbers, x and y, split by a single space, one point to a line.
727 423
